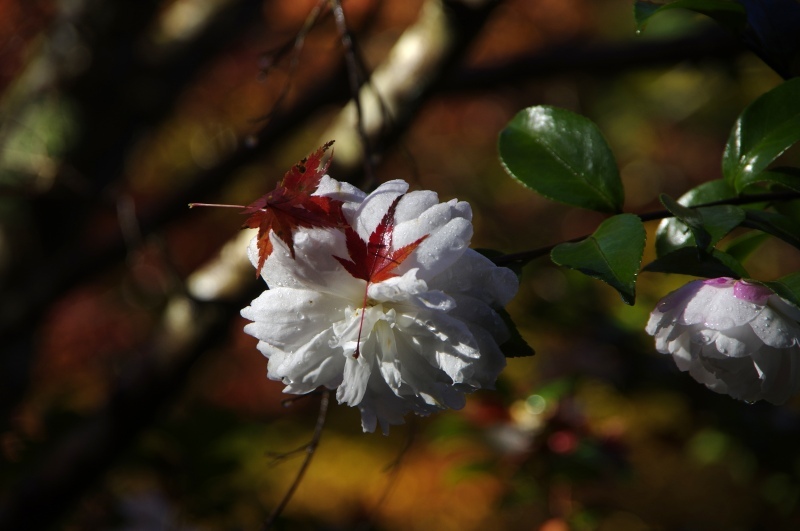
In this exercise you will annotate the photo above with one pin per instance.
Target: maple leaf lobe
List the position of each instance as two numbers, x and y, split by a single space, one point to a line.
375 261
291 206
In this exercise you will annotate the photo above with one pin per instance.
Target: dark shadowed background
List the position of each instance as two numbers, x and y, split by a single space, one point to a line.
130 397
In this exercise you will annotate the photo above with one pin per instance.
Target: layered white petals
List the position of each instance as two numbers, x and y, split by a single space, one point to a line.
735 338
425 337
345 192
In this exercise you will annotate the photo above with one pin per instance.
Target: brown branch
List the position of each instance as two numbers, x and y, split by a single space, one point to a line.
524 257
426 53
601 59
310 449
355 77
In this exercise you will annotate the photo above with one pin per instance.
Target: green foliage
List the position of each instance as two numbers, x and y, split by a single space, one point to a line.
776 224
781 177
692 261
562 156
743 246
727 13
787 287
673 233
708 225
612 254
766 128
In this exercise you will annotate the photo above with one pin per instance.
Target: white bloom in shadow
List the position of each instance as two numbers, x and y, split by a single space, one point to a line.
735 337
426 336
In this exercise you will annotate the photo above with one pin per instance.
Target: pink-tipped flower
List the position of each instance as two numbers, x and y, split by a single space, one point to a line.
733 336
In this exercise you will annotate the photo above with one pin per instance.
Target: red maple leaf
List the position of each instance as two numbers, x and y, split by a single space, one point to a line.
375 260
290 206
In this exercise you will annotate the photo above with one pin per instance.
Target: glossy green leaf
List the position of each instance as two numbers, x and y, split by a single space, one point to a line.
766 128
727 13
672 233
775 224
691 261
708 226
787 287
720 220
562 156
783 177
612 254
693 219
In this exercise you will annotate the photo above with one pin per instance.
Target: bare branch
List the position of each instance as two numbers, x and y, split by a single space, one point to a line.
423 56
310 450
268 60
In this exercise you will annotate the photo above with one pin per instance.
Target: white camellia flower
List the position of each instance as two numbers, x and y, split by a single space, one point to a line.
735 337
415 338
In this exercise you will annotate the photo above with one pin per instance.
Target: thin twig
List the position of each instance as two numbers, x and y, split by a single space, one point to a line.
354 76
393 469
311 448
296 47
524 257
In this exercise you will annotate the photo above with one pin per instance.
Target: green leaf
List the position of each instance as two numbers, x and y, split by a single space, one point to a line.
707 225
787 287
515 346
729 14
612 254
766 128
689 261
775 224
785 177
743 246
693 219
673 234
720 220
562 156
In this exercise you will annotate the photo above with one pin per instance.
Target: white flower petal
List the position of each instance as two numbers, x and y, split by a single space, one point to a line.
740 347
388 360
780 374
354 382
775 330
397 288
345 192
440 250
370 213
475 274
717 308
305 370
736 342
288 318
415 342
416 205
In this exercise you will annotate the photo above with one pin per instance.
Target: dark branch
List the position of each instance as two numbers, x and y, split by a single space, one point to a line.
310 449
